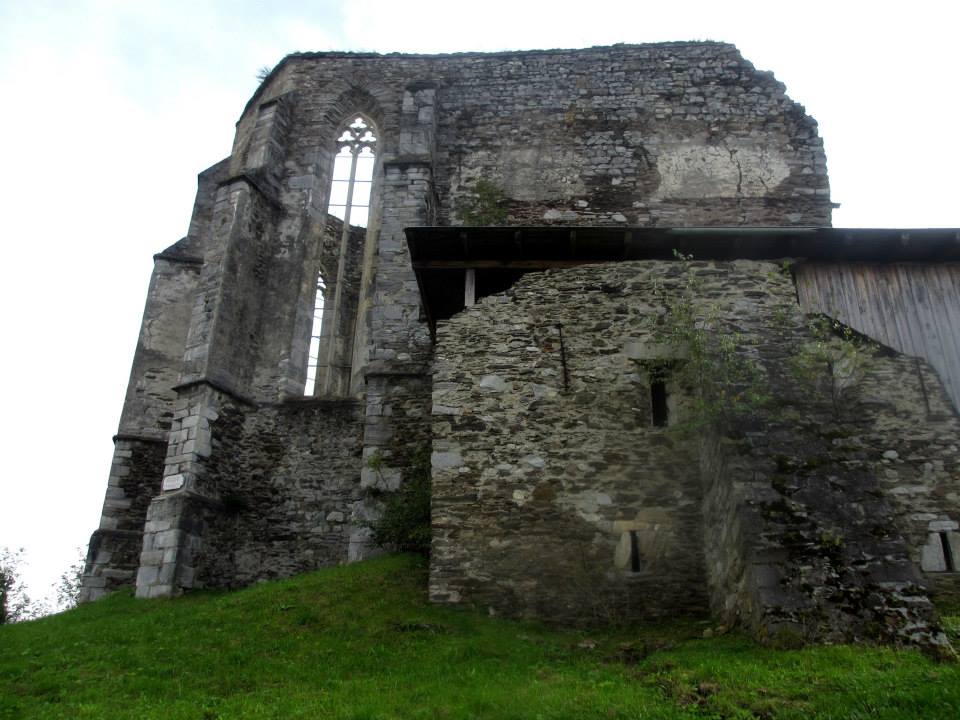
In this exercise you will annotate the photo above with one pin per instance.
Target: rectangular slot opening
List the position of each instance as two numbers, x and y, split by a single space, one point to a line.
658 403
948 558
634 552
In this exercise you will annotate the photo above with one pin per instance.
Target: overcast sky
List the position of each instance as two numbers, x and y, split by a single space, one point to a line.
111 108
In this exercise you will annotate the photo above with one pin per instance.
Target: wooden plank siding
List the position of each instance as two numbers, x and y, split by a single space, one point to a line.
913 308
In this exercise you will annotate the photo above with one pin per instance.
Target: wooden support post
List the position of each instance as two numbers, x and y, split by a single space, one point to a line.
469 287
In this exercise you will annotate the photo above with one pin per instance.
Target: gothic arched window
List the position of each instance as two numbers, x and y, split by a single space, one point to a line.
328 365
353 174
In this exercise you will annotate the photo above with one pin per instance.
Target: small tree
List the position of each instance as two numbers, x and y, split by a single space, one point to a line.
15 603
833 360
484 204
713 360
67 588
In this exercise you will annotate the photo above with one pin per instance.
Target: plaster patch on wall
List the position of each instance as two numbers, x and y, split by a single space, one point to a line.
528 173
534 173
587 504
728 170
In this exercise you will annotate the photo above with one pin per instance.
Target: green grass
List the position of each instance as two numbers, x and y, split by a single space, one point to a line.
361 642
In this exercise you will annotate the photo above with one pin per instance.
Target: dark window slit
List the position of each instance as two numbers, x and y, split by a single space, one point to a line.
658 403
947 552
634 552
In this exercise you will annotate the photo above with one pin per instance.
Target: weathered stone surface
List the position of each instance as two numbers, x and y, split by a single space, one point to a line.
559 491
787 520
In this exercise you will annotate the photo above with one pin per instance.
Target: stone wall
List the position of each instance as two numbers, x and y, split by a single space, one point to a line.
396 435
113 554
273 490
679 134
810 514
287 479
668 134
177 518
577 474
554 496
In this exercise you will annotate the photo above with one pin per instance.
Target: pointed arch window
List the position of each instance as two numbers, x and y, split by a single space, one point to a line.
328 365
353 174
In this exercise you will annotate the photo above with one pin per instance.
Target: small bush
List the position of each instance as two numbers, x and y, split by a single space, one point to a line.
405 522
484 204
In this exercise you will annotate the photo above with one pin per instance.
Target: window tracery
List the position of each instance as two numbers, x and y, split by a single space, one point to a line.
353 174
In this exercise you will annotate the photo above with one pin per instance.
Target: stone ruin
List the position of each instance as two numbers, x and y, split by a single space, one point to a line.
556 272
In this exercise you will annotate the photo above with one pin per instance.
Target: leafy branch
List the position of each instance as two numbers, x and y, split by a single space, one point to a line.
833 360
714 361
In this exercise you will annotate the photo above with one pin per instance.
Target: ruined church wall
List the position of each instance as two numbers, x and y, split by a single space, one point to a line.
141 441
256 275
683 134
148 406
816 514
113 553
907 411
287 481
671 134
679 134
823 518
553 494
666 134
264 491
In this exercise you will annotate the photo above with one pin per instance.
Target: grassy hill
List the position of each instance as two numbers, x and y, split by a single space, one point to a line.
361 642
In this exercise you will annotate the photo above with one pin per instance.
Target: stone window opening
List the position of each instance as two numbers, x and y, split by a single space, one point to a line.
626 555
329 366
634 552
313 355
948 558
661 401
940 554
659 409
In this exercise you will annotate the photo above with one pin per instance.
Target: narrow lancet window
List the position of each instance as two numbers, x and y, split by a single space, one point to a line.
314 354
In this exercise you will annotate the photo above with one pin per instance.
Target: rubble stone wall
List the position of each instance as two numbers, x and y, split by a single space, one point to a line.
554 494
667 134
814 513
288 485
